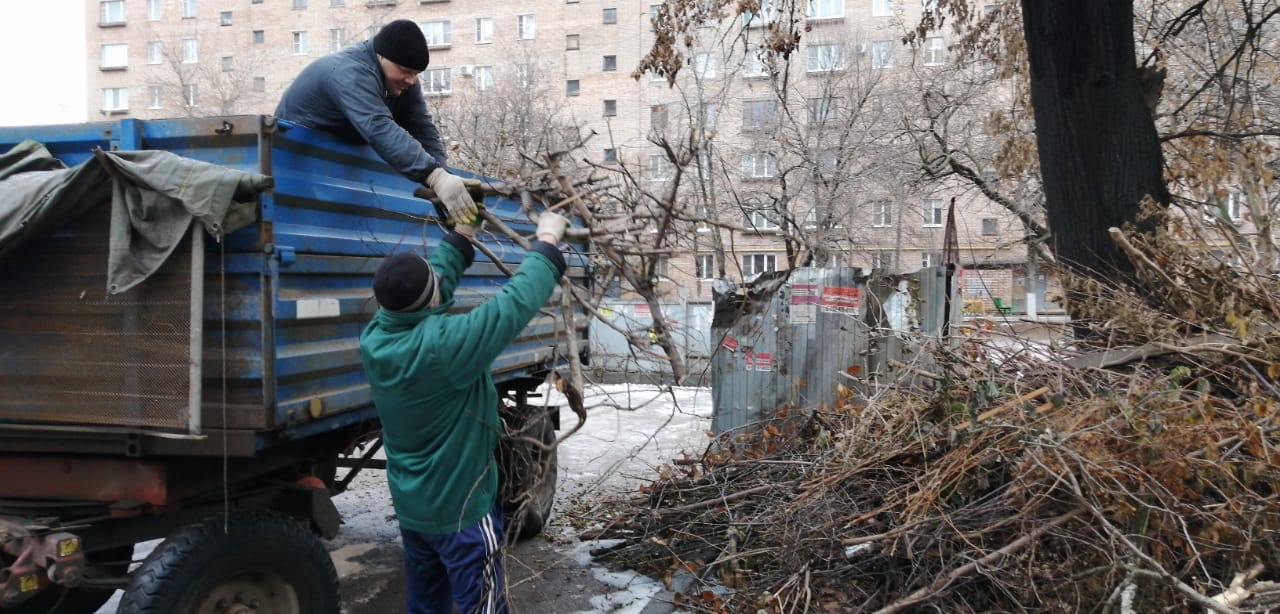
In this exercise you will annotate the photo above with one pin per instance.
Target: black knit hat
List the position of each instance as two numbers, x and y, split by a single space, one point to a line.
405 282
402 42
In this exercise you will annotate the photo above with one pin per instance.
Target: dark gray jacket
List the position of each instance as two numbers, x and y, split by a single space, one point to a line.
345 93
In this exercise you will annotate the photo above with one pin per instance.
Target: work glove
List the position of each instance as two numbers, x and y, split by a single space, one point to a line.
452 192
472 228
552 226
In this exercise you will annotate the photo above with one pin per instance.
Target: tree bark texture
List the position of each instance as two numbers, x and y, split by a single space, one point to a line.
1099 151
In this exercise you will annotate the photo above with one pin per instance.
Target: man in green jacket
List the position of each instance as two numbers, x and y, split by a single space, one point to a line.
429 371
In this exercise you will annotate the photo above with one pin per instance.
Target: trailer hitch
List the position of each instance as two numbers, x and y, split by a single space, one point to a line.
34 558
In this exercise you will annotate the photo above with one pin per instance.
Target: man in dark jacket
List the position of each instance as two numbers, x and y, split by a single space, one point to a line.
370 91
429 371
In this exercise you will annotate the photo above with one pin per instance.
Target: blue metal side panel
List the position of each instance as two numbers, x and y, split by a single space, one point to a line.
287 297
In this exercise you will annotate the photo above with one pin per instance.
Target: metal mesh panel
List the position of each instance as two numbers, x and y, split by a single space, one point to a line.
71 353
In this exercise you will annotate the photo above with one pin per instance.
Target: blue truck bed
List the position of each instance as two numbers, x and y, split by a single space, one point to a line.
283 302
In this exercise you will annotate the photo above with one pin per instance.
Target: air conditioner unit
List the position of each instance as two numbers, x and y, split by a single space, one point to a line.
466 70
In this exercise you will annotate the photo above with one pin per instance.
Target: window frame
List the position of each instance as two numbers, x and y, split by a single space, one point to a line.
825 57
932 212
609 63
484 77
935 51
704 267
882 213
484 30
104 16
441 28
767 263
882 8
190 50
572 88
763 165
837 5
760 121
610 107
609 16
190 9
155 97
300 42
117 53
119 99
436 81
526 27
881 55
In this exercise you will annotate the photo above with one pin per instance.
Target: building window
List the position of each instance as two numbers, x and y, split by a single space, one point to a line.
228 63
826 9
155 52
759 165
190 51
755 264
115 56
259 37
753 66
932 212
935 51
337 3
660 168
572 42
153 10
115 99
571 87
337 38
610 63
484 78
610 156
610 108
438 33
990 227
111 13
301 44
929 259
524 27
704 266
768 14
224 18
762 219
189 95
188 9
828 57
882 54
881 214
484 30
155 97
759 114
823 110
299 4
523 75
259 84
657 119
704 65
709 114
610 16
437 81
881 8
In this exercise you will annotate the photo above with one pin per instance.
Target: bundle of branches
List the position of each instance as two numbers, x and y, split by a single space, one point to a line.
1028 481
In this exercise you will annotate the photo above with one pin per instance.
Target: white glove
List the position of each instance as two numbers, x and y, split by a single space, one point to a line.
452 191
552 224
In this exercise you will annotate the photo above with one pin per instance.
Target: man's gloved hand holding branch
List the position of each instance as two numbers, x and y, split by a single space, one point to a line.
551 227
452 192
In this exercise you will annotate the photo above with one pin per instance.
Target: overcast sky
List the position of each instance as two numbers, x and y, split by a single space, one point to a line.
42 62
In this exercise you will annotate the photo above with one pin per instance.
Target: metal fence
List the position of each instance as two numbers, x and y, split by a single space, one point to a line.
817 337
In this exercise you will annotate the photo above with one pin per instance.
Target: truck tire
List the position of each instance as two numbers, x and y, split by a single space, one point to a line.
258 561
529 476
60 600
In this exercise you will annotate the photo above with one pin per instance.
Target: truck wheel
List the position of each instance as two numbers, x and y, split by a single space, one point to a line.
256 562
60 600
531 474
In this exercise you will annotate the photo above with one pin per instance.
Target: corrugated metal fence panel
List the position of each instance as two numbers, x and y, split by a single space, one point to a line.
612 353
747 380
837 335
827 309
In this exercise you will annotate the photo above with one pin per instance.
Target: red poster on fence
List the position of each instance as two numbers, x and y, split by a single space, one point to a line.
759 361
729 343
841 299
804 303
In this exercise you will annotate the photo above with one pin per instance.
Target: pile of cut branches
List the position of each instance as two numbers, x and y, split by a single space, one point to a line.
1139 478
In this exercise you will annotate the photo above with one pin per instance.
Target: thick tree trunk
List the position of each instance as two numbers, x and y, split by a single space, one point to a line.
1099 151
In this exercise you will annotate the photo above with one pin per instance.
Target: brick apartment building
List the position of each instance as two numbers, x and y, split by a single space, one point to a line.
178 58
